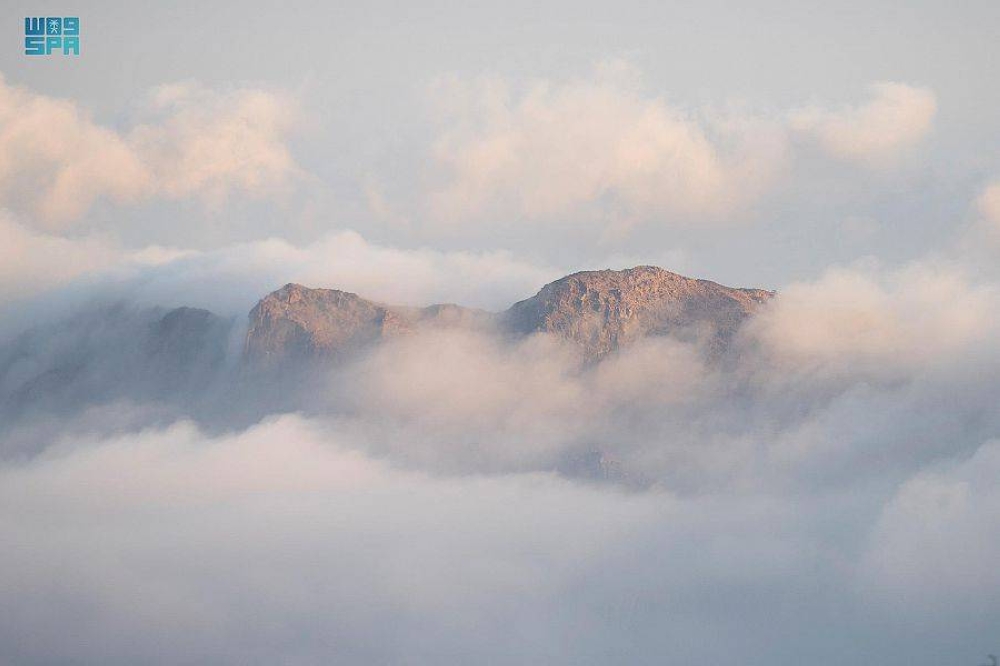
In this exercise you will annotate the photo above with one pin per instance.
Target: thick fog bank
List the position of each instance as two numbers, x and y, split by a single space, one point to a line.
825 492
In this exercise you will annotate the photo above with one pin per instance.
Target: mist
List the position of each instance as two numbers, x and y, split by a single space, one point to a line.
822 492
283 544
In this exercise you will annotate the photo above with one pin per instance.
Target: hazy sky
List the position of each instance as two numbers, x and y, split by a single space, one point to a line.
739 141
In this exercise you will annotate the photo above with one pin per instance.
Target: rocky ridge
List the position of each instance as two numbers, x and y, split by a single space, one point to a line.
297 324
604 310
600 311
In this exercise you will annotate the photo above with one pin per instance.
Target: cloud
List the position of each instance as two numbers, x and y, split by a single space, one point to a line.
797 396
351 549
989 203
555 150
475 401
799 499
938 537
281 543
979 239
861 319
470 401
210 143
897 117
95 268
600 155
56 162
988 207
863 362
34 262
824 495
244 272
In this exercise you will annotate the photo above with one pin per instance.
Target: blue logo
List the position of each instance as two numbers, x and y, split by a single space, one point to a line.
47 35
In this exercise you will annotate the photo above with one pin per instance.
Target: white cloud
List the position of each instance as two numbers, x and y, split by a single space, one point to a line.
33 262
56 161
209 143
602 152
469 401
472 401
280 544
865 319
326 540
938 536
596 155
896 117
242 273
557 149
988 205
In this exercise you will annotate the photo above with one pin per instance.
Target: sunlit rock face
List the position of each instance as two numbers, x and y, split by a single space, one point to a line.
600 311
604 310
296 324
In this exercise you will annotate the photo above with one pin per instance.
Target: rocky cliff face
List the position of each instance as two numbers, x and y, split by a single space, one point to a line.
296 324
604 310
598 310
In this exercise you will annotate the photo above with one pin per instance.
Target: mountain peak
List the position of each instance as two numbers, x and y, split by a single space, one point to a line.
606 309
298 323
599 311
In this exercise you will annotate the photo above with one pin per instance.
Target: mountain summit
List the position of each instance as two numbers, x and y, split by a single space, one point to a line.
600 311
604 310
297 324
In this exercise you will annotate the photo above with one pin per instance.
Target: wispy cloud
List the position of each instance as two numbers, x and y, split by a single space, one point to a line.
876 133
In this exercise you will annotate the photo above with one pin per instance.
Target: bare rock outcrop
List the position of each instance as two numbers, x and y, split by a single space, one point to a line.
604 310
298 324
600 311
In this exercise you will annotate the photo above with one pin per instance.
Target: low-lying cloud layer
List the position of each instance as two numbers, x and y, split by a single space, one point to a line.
822 494
282 545
97 267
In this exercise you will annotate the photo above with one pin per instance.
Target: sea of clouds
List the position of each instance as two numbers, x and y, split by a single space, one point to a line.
825 493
